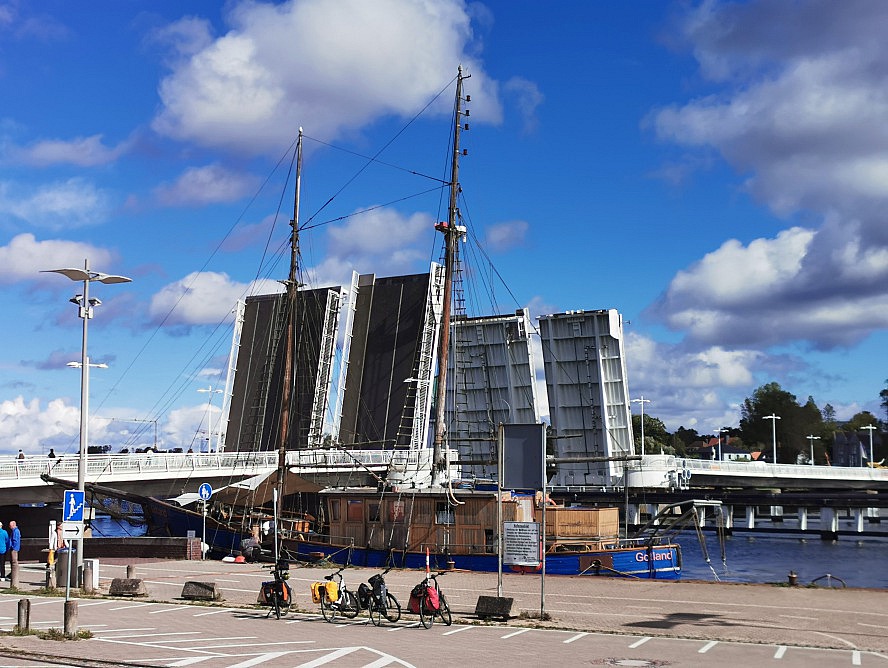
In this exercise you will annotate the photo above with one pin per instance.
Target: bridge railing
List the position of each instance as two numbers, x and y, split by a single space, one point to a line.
765 469
98 466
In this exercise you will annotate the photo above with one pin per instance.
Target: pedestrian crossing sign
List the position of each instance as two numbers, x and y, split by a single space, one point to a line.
72 509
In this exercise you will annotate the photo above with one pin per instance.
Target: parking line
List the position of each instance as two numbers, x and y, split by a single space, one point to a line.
514 633
639 643
781 650
708 646
576 637
461 628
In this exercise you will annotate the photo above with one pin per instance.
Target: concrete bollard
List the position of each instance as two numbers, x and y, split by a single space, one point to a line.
87 587
71 618
14 575
24 615
50 577
130 571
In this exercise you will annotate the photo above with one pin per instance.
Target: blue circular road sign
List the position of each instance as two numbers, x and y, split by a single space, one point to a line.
205 491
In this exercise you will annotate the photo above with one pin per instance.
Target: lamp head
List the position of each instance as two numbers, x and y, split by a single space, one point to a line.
76 299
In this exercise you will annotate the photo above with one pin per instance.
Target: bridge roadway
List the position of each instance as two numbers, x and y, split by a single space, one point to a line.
170 474
594 621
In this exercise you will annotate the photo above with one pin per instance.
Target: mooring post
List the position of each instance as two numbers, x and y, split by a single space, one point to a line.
71 618
87 587
24 615
130 571
14 575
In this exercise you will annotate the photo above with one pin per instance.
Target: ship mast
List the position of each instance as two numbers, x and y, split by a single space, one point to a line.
451 237
292 285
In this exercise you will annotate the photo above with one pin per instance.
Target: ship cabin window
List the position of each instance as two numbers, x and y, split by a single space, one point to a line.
444 513
334 510
355 512
373 509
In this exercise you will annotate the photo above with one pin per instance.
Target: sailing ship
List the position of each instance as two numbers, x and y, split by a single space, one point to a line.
418 507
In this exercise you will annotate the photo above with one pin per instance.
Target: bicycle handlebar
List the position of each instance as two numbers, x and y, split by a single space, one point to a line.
333 575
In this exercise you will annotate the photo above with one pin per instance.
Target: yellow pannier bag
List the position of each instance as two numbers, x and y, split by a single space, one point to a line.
332 591
316 591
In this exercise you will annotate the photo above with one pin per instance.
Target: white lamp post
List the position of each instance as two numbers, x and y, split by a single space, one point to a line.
209 390
720 432
641 400
870 428
85 312
811 439
773 418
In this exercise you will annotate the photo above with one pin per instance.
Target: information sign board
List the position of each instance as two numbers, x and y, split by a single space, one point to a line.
521 543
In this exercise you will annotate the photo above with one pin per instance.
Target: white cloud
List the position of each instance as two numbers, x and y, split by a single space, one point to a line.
505 236
528 98
24 425
282 66
795 101
24 258
202 298
199 186
57 206
81 151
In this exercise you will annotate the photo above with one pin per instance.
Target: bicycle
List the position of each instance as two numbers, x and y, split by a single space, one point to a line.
378 600
336 599
277 593
428 601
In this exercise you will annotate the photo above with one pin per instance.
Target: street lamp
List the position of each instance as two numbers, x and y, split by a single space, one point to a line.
211 391
719 433
811 439
641 400
870 428
85 312
773 418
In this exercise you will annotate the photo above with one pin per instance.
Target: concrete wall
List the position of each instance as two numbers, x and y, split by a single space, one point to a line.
34 549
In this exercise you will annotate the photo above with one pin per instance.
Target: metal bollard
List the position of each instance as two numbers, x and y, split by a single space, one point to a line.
87 587
793 579
130 571
71 618
24 615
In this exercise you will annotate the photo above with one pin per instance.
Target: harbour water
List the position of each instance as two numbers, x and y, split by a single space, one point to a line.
750 558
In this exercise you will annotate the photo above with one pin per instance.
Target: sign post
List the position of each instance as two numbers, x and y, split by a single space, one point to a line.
72 528
205 492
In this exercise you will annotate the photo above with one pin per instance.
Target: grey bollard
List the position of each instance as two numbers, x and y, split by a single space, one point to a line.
130 571
50 577
24 615
87 587
71 618
14 575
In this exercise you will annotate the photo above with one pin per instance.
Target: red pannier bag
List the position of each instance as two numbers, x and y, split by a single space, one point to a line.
416 598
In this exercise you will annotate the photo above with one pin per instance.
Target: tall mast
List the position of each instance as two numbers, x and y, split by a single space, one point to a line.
292 285
451 237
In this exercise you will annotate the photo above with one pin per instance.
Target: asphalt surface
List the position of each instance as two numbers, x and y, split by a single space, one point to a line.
585 621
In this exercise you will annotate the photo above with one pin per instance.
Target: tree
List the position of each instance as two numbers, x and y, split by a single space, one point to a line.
861 419
795 423
656 437
884 395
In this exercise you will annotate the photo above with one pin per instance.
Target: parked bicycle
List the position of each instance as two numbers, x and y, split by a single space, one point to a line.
277 593
379 602
428 601
334 597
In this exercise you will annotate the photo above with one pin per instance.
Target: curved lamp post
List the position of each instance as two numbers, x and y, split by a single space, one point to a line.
773 418
641 400
85 306
870 428
811 438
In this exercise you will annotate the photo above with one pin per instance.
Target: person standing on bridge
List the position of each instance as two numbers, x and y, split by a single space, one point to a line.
4 548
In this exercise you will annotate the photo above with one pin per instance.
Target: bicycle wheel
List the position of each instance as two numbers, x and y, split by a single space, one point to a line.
348 604
392 609
426 614
277 605
376 611
444 610
328 609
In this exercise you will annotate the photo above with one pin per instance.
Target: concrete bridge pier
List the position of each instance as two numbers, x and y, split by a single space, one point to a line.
776 514
750 517
803 519
829 524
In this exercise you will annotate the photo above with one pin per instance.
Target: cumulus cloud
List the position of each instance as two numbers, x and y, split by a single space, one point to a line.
199 186
795 101
26 425
57 206
281 66
528 98
202 298
24 257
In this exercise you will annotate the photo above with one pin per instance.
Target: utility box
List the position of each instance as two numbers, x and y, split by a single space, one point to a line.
95 571
65 578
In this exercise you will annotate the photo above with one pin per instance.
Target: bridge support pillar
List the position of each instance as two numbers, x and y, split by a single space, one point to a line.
829 524
776 514
872 515
633 515
858 519
750 517
803 519
728 515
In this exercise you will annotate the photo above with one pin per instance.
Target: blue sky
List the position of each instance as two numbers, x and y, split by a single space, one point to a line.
715 171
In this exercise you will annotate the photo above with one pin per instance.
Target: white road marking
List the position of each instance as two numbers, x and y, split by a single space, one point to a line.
151 635
256 660
514 633
216 612
708 646
781 650
189 661
128 607
144 628
461 628
575 637
855 657
639 643
175 609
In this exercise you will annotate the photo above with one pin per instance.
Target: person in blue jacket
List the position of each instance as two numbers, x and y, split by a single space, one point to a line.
4 548
15 543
